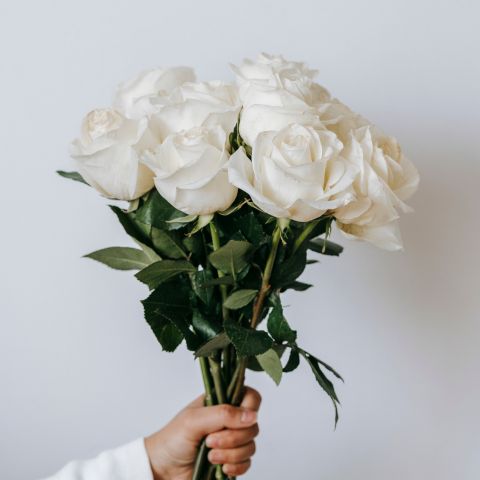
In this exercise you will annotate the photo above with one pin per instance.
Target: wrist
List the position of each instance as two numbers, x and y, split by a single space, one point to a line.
155 457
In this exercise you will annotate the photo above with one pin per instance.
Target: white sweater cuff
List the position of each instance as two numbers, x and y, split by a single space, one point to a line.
129 462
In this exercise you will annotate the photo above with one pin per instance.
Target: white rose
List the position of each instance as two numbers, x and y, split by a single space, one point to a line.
190 170
275 72
198 104
107 154
144 94
276 93
385 180
296 173
256 119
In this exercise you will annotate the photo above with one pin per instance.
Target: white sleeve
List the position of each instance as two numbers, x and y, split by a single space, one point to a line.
129 462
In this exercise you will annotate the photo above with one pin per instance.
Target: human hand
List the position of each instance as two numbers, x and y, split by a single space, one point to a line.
230 433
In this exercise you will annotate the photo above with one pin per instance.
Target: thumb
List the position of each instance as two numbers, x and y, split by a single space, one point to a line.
202 421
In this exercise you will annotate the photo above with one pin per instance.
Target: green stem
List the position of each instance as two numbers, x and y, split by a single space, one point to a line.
267 273
200 462
206 381
304 235
214 365
233 381
257 312
217 380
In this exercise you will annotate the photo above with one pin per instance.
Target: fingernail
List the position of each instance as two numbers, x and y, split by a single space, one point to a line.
248 416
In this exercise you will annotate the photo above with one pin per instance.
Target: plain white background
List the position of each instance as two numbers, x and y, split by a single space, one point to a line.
79 369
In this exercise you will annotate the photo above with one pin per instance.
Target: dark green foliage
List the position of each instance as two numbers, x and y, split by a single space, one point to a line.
205 327
239 299
293 361
157 212
169 306
325 247
278 326
232 258
206 296
287 271
121 258
213 345
72 176
134 229
247 341
322 379
159 272
167 243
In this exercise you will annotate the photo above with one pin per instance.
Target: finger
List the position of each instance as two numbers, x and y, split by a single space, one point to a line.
199 422
241 454
252 399
232 438
235 469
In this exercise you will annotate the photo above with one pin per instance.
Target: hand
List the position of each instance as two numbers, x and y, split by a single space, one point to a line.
229 430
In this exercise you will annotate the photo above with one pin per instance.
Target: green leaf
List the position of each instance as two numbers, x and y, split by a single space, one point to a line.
121 258
278 326
218 342
226 280
252 362
168 335
247 341
194 246
184 219
205 327
232 257
233 208
200 284
159 272
72 176
322 380
239 299
167 310
166 243
293 361
326 365
152 255
270 362
203 221
298 286
156 211
325 247
137 231
250 227
286 272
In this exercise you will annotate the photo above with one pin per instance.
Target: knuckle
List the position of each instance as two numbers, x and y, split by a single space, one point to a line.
227 412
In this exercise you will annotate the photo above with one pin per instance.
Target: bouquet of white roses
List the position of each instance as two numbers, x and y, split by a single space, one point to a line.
230 186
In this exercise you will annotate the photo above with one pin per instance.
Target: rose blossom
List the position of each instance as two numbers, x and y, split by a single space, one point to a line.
195 105
143 95
276 93
190 170
107 154
385 179
296 173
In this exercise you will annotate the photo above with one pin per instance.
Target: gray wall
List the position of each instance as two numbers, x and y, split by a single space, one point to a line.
79 369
